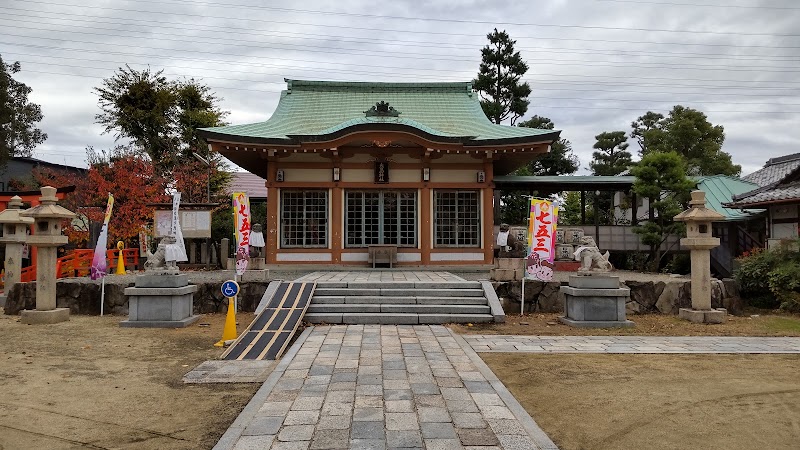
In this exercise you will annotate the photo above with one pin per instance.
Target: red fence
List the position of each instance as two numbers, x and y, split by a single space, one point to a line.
79 262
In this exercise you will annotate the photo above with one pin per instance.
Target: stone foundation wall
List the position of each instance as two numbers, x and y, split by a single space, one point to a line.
83 297
665 297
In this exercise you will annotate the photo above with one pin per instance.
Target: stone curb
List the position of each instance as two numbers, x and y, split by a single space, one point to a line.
633 344
539 437
234 432
494 302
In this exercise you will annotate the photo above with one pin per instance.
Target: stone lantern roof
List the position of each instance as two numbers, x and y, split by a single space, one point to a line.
12 215
697 211
48 209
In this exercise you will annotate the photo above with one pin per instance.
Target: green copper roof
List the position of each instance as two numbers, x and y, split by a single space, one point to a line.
324 110
720 189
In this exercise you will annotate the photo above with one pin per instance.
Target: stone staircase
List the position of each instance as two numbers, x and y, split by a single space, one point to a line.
404 302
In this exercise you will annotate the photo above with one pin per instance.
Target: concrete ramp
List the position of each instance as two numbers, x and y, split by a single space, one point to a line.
269 334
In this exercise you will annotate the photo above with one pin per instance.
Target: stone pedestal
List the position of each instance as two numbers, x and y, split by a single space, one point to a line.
160 301
36 317
257 264
595 301
507 269
717 315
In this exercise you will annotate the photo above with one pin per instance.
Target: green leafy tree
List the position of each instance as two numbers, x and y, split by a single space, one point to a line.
158 115
570 211
18 117
503 96
612 157
558 161
687 132
661 177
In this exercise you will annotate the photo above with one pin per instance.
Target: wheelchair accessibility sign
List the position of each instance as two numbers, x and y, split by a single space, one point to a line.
230 288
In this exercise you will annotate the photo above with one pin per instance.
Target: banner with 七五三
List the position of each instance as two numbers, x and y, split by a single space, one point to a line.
543 217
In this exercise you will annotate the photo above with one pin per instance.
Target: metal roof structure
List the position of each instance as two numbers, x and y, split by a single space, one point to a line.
313 111
565 183
720 190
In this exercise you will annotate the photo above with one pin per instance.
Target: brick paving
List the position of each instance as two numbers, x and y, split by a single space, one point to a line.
633 344
376 387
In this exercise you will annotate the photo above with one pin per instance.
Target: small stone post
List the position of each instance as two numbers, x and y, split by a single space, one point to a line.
47 237
14 235
699 241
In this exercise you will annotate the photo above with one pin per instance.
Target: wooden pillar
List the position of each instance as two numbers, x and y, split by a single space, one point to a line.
488 213
273 227
488 226
634 208
425 220
336 225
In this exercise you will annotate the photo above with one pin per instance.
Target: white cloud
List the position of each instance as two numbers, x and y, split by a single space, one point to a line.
587 73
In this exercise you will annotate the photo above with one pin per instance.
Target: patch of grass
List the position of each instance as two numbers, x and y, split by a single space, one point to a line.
782 324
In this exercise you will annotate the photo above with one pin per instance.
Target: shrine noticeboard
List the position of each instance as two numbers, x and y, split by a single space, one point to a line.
542 222
194 224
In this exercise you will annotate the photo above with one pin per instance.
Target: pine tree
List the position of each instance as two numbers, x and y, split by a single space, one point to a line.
612 158
503 96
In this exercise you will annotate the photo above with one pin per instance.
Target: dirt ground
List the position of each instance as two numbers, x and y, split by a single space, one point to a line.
756 324
657 402
88 383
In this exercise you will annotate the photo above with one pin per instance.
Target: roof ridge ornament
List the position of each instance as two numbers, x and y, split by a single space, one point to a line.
382 109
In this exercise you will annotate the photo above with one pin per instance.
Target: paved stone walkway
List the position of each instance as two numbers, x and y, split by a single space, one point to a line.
380 275
376 387
633 344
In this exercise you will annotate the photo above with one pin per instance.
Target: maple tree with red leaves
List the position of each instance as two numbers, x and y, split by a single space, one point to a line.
129 176
132 179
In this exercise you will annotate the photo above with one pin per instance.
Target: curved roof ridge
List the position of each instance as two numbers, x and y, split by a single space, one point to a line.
460 86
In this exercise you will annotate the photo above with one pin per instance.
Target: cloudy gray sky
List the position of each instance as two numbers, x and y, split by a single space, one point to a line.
595 65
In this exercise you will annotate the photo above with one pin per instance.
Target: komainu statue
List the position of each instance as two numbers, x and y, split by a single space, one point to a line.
157 261
590 257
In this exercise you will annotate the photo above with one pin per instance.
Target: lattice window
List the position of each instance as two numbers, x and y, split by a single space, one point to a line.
381 217
304 219
457 219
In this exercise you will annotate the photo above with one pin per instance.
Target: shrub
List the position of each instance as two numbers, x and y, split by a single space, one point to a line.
784 283
771 279
680 263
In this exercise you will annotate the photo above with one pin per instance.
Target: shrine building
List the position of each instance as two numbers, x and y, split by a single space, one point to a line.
349 166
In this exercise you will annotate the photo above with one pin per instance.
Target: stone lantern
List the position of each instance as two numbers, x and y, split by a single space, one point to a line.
699 241
14 235
46 237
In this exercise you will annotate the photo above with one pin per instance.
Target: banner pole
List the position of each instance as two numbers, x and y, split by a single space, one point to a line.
102 295
522 300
